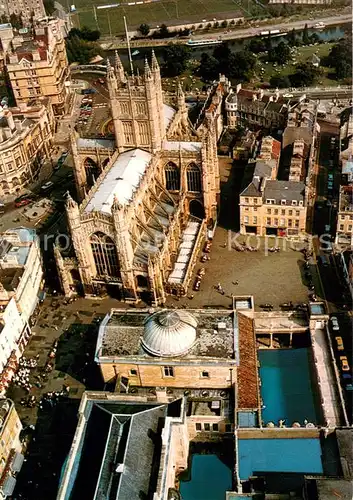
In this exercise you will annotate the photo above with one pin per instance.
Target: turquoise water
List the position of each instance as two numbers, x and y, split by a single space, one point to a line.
210 479
286 386
279 455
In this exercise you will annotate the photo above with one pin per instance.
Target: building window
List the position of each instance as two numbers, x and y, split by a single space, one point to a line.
168 371
246 209
228 427
205 374
255 209
290 222
283 212
193 177
128 132
105 255
283 202
268 210
215 427
133 372
350 228
268 221
172 177
341 227
294 202
246 200
275 211
276 222
255 220
198 426
255 201
297 213
290 212
296 223
246 219
207 427
282 222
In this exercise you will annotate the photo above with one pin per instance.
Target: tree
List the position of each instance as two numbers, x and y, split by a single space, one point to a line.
306 37
16 21
81 51
256 45
144 29
176 57
208 69
340 57
241 65
305 75
314 38
281 82
216 24
222 54
85 34
164 31
49 6
292 38
280 54
224 24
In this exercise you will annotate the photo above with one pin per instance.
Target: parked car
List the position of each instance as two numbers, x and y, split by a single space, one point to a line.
48 185
101 81
88 91
344 363
334 323
339 343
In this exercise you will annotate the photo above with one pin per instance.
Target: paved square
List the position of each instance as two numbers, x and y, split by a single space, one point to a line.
273 278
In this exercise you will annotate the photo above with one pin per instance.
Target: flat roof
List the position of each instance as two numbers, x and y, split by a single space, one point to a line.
120 334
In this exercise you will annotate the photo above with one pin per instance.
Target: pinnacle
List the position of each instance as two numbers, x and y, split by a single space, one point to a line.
155 65
148 73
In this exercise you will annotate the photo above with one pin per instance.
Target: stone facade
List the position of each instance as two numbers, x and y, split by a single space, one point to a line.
176 192
37 65
26 135
344 232
27 9
10 445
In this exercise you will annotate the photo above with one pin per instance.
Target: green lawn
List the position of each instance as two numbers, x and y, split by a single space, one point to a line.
301 55
165 11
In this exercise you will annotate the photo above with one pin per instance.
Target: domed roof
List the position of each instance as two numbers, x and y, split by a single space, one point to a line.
169 333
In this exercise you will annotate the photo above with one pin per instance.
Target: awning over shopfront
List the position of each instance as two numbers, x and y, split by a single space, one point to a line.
9 486
17 462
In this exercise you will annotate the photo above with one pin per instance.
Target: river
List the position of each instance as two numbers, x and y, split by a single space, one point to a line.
329 34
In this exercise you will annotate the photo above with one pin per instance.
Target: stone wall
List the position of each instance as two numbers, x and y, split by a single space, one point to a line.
184 375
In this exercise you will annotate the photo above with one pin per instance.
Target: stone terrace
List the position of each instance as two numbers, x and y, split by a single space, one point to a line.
272 278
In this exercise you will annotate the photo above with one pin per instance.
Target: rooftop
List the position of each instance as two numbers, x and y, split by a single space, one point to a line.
95 143
15 246
120 181
119 456
123 334
346 199
284 190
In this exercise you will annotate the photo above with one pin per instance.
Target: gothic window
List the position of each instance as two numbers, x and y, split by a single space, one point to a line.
129 138
105 255
92 171
124 108
193 176
143 132
140 108
172 177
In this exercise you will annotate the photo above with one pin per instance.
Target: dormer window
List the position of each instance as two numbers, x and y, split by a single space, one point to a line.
270 201
283 202
294 202
301 203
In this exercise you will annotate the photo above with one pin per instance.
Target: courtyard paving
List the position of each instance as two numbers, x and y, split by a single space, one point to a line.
270 277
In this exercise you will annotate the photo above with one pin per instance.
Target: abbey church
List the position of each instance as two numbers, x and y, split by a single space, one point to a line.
146 198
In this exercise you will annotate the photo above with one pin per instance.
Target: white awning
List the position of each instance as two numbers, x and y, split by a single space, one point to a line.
17 462
9 486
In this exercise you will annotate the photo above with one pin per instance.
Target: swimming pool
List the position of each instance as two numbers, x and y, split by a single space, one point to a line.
278 455
287 386
210 479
